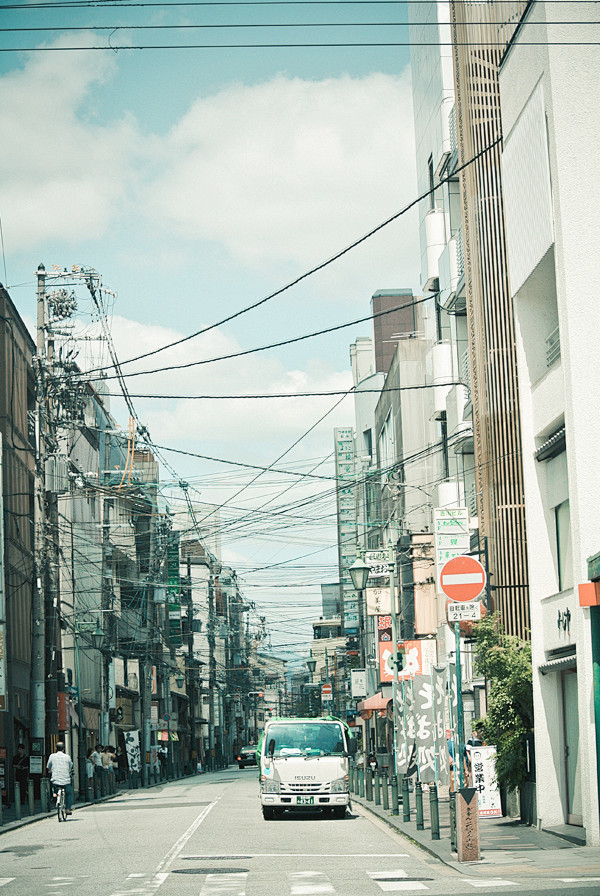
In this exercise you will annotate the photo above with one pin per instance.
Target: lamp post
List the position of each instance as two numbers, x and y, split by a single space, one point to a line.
97 639
359 573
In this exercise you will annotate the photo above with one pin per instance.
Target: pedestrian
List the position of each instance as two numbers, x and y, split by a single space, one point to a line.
60 766
96 758
20 766
89 769
107 765
473 741
122 764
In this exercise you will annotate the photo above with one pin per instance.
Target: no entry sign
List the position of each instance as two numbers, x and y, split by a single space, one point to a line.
462 578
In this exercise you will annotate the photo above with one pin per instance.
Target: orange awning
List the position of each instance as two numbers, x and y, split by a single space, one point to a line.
377 701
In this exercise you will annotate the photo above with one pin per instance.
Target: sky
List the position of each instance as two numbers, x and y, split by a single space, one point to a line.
198 182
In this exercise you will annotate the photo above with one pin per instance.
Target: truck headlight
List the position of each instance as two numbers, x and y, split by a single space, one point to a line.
340 785
270 786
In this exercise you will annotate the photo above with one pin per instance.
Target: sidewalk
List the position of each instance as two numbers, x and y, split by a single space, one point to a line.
507 846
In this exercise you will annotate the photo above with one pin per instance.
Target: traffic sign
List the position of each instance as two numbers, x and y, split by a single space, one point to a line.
463 611
462 578
326 692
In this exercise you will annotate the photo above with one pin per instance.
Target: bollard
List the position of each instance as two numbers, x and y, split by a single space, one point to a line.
361 781
0 811
352 780
453 820
395 809
30 797
369 784
18 802
434 812
377 788
45 794
405 800
419 805
385 794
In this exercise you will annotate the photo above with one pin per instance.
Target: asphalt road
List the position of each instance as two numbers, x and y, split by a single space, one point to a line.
206 836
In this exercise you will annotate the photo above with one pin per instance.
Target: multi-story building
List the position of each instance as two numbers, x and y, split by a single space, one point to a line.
480 34
17 398
551 134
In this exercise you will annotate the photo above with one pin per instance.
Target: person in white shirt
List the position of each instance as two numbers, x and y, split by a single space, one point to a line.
60 766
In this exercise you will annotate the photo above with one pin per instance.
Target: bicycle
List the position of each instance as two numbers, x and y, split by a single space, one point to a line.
61 804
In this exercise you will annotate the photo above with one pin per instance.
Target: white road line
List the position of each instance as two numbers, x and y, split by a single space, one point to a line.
176 849
491 883
306 855
310 883
6 880
389 883
576 880
233 884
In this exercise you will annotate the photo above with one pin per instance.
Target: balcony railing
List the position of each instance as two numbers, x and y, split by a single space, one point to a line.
552 347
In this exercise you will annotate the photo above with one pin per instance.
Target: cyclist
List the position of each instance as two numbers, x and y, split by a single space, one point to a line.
60 766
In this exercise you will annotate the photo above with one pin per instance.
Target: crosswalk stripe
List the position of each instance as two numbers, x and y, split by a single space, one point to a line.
491 883
233 884
388 881
310 883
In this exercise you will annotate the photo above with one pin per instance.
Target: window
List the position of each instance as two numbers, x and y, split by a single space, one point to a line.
563 546
386 447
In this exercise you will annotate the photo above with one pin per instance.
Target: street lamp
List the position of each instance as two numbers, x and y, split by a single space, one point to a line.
359 573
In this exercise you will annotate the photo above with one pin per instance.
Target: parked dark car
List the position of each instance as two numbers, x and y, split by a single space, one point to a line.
246 756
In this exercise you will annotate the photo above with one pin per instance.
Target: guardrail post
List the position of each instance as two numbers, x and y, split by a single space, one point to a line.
385 793
377 783
45 794
419 805
361 782
405 800
30 797
395 809
453 820
18 801
434 811
369 784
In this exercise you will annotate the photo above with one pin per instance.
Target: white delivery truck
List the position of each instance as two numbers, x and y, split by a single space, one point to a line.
304 766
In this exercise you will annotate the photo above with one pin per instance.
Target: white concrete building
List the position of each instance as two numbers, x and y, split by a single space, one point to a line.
551 126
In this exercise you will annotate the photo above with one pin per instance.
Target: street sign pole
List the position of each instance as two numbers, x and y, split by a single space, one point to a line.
394 652
460 747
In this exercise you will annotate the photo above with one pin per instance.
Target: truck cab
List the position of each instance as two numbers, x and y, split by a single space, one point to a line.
304 766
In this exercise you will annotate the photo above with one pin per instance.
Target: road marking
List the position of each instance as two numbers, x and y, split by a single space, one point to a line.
575 880
310 883
304 855
177 847
6 880
389 883
233 884
492 883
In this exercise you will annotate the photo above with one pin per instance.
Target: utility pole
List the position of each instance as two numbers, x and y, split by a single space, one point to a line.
211 670
38 658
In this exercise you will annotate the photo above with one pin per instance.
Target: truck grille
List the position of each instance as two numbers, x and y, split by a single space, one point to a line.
302 787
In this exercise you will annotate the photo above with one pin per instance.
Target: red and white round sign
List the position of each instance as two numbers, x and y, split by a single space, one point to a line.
462 578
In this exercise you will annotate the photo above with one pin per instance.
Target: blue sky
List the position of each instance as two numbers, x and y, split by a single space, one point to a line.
197 182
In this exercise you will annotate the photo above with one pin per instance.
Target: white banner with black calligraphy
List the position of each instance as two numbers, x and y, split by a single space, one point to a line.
132 747
438 683
424 729
406 729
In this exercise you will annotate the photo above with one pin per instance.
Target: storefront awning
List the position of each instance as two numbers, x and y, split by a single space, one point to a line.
377 701
565 662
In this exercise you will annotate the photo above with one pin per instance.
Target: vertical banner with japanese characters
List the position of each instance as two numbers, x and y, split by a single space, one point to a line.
438 684
424 729
483 772
406 763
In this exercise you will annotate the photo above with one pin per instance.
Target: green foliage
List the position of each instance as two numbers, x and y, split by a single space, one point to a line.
505 661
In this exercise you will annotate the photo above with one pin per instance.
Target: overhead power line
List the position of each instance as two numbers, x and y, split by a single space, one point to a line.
302 46
319 267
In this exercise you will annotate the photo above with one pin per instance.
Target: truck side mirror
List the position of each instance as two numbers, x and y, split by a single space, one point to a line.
352 746
271 747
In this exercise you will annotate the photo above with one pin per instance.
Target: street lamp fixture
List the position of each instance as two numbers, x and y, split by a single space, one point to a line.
179 680
98 636
359 572
311 665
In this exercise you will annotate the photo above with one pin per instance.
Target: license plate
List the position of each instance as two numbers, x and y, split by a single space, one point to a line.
305 801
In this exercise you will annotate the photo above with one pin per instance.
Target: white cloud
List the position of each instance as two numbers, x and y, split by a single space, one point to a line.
239 429
290 169
64 172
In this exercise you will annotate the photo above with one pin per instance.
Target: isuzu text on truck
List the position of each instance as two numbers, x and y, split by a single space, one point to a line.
304 766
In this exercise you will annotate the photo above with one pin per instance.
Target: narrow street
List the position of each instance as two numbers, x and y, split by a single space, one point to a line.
206 836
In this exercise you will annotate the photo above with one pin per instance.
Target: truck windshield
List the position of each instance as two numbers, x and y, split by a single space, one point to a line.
306 739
